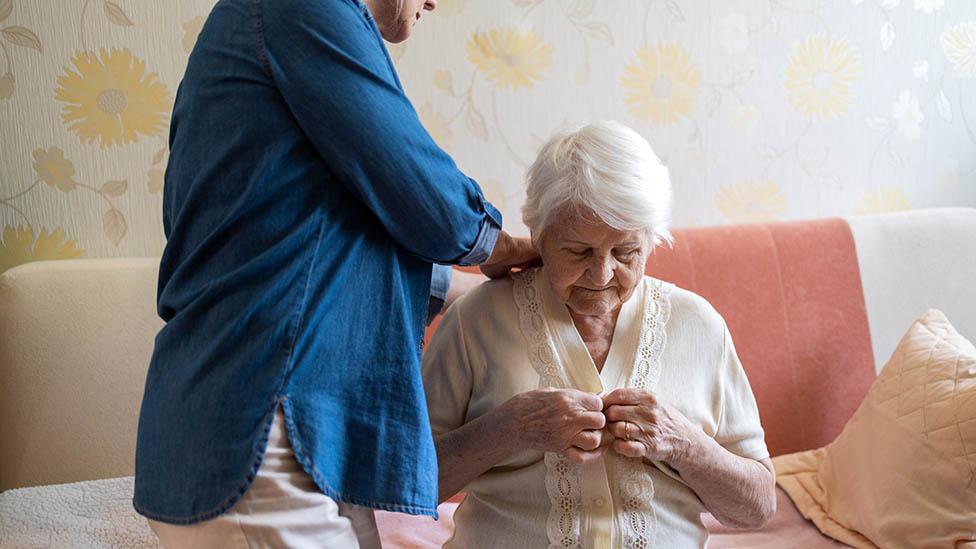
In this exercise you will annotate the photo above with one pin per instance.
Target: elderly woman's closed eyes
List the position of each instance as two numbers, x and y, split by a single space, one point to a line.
584 403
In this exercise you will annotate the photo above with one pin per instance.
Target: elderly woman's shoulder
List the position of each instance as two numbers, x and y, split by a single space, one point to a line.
690 308
487 296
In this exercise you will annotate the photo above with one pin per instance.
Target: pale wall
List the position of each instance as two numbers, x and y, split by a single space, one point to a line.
762 109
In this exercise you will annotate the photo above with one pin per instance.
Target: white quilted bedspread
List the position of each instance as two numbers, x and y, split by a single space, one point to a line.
96 513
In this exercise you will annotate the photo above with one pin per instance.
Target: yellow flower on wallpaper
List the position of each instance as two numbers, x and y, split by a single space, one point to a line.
959 46
891 199
111 99
54 169
661 84
510 58
821 75
191 30
19 246
751 201
436 125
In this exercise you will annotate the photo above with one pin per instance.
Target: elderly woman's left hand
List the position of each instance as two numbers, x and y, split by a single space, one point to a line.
645 427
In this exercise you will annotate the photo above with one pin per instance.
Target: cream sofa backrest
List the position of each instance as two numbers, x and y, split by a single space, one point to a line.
913 261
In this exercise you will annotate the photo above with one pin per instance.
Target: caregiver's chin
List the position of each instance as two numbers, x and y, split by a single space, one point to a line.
396 18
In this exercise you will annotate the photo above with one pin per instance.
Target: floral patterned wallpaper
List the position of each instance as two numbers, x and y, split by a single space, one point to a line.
763 109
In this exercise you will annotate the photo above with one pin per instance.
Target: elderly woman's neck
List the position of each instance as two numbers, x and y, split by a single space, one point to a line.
597 333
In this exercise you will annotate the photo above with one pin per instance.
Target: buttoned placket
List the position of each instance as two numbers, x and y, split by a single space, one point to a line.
597 530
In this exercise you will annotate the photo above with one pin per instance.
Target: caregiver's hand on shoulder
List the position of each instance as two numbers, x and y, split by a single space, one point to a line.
510 253
565 421
644 427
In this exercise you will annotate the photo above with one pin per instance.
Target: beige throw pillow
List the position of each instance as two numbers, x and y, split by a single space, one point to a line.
903 471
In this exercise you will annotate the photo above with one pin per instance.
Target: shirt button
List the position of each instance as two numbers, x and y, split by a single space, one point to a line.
599 501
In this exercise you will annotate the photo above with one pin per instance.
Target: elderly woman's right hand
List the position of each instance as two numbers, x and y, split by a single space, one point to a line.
565 421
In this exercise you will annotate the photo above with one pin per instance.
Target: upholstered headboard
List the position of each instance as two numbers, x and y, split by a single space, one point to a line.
76 336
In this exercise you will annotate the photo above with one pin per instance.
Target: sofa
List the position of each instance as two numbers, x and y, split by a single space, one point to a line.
814 307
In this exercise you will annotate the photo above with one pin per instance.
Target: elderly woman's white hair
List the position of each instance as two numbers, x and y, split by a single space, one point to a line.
604 167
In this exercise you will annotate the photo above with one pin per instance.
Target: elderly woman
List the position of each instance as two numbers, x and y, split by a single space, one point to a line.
583 403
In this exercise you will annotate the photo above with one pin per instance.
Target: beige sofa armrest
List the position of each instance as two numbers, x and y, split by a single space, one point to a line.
75 341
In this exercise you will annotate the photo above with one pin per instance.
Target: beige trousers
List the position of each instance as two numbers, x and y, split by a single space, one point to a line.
283 508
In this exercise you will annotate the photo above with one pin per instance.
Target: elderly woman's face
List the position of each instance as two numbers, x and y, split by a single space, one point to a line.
396 18
593 268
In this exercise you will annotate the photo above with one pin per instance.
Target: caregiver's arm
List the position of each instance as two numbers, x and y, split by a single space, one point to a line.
332 70
567 421
738 491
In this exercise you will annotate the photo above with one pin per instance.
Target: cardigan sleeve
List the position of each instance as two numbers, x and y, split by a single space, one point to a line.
447 374
739 430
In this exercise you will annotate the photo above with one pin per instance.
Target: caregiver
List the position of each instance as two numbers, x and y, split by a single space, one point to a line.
304 206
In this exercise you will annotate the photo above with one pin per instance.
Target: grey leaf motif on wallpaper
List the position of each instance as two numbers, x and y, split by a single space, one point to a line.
895 157
116 14
599 31
712 101
159 156
694 136
7 85
23 37
115 188
887 35
943 106
674 10
113 222
6 8
476 123
580 9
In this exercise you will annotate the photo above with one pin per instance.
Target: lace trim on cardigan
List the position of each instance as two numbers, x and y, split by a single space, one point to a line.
634 488
562 477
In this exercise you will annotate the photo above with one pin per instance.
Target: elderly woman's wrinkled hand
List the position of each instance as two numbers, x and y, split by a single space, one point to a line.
565 421
643 426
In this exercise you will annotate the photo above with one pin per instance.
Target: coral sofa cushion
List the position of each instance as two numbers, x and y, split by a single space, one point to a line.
902 473
791 296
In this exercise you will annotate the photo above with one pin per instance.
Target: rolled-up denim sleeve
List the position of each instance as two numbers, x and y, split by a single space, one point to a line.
331 67
484 244
440 277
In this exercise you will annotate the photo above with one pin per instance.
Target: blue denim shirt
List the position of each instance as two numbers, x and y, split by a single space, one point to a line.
304 206
440 283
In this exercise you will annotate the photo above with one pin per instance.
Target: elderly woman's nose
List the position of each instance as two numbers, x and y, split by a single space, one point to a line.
601 270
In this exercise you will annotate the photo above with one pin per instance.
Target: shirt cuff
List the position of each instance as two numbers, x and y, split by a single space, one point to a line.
484 244
440 282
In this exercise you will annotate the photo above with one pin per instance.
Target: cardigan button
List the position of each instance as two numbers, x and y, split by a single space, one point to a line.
599 501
